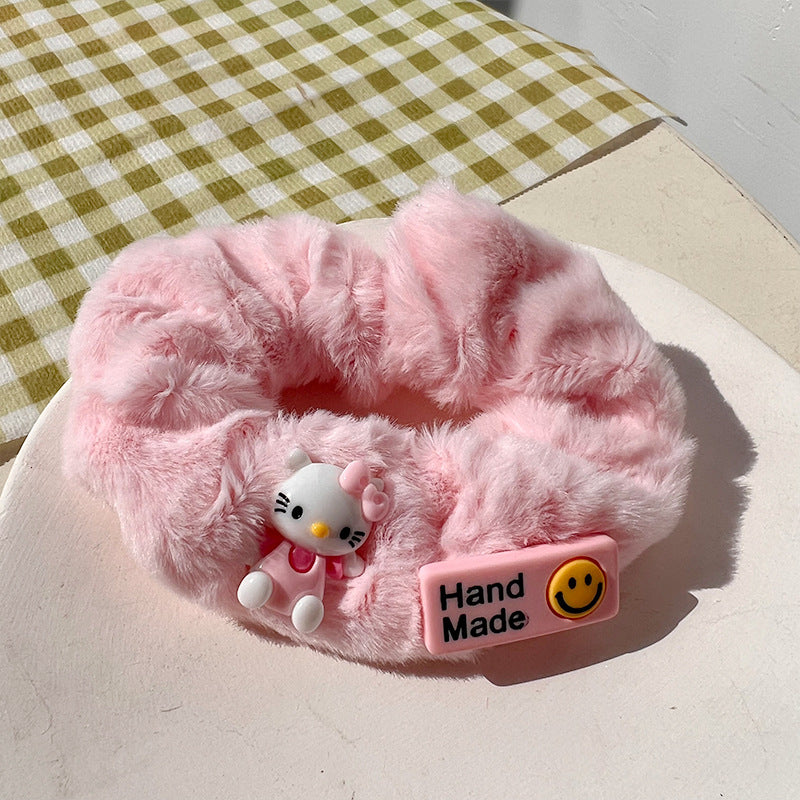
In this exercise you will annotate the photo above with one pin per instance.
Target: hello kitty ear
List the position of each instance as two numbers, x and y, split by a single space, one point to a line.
297 459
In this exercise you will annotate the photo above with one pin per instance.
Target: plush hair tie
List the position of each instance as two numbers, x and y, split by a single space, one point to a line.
567 420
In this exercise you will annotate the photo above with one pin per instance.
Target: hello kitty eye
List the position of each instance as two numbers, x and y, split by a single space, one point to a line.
345 533
297 512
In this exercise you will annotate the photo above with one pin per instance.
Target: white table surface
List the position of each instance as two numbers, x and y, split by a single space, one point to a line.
115 688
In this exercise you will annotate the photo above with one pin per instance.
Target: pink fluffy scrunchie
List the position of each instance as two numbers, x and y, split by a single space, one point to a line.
182 354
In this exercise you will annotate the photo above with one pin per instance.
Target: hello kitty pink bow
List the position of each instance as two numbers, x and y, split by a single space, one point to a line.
356 481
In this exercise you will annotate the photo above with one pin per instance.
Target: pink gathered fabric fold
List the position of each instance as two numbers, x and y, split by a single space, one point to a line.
181 352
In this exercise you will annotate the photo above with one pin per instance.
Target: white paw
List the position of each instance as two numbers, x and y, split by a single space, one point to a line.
307 613
353 565
255 589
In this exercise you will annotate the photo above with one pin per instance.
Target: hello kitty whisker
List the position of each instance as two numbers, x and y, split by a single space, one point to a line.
279 510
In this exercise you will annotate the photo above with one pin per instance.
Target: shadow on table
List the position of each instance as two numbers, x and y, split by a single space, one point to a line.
656 589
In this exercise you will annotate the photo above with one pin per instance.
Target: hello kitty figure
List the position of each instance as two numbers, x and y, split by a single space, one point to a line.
324 514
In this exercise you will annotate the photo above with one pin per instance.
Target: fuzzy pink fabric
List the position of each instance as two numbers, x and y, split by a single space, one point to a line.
182 351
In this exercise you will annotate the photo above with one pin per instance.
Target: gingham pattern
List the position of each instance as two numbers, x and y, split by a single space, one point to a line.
119 120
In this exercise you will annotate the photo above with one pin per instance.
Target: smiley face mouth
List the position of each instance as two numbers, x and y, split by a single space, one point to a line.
566 607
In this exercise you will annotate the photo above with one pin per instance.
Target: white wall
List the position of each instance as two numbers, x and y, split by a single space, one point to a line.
729 68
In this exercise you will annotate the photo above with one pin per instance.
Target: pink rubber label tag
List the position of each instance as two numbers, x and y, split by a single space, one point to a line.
483 601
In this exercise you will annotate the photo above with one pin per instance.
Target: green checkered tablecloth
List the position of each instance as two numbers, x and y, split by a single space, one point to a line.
123 119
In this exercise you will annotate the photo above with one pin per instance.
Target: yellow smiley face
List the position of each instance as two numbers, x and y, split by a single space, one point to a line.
576 588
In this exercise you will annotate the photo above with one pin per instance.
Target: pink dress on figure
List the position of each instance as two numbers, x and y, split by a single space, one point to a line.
296 572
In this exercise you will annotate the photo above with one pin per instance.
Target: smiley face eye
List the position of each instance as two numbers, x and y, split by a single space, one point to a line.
297 512
588 579
572 583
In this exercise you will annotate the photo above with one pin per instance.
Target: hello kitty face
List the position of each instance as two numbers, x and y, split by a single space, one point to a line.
326 509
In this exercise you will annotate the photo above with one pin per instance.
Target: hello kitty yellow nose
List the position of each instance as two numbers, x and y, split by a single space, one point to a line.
320 530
